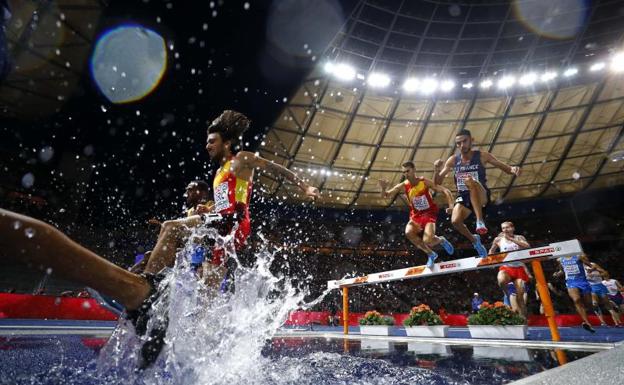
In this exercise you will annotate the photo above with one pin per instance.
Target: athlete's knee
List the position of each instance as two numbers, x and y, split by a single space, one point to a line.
457 222
36 226
470 182
428 238
171 227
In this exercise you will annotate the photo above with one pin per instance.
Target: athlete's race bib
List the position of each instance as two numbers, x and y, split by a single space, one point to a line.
462 176
571 270
420 203
221 197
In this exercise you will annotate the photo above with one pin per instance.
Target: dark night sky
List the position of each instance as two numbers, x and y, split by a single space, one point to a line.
138 166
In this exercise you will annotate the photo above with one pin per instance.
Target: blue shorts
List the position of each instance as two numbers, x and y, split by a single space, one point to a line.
582 285
599 289
616 299
463 198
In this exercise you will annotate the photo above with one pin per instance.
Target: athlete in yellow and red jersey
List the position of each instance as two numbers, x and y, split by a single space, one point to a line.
231 197
137 293
423 211
232 191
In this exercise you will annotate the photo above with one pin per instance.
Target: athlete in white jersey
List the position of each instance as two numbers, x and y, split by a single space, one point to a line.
515 272
615 290
599 293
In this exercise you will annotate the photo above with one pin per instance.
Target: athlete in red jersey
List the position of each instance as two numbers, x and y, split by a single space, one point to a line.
231 196
423 211
232 192
49 248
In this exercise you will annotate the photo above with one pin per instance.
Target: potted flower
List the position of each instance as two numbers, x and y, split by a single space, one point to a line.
374 323
423 322
497 321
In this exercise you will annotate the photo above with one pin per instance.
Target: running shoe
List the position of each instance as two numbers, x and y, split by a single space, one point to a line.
588 327
106 302
447 246
431 259
481 228
478 246
155 339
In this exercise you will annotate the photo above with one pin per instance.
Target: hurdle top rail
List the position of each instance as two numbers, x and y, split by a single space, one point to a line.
553 250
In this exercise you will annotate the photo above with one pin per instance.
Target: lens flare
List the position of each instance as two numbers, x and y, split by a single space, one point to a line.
555 19
128 63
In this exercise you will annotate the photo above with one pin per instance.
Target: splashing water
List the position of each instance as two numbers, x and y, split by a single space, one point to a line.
215 338
212 338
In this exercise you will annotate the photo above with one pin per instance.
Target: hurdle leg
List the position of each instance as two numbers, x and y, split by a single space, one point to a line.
549 310
345 309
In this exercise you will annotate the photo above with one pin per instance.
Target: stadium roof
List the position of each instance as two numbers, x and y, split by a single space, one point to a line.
547 98
50 42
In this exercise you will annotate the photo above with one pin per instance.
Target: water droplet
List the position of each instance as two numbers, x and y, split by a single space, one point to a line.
28 180
17 225
30 232
45 154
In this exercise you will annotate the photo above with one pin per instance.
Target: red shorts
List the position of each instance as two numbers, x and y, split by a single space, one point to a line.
515 272
423 217
240 238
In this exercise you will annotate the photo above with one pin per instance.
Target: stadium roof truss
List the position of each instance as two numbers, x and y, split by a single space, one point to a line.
345 137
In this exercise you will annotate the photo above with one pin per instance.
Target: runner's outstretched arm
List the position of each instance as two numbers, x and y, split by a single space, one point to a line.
486 157
248 160
441 189
385 193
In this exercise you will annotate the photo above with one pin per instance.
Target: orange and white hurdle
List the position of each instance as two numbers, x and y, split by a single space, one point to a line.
534 255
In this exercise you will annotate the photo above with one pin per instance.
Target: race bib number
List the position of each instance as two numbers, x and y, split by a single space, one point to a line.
221 197
571 270
420 203
462 176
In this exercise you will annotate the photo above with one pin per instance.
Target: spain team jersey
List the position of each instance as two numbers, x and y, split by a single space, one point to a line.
231 194
419 198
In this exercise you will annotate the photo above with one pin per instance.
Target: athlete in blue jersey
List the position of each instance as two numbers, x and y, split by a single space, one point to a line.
473 193
599 293
578 288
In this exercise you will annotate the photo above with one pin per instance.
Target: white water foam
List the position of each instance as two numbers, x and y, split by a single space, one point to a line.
212 338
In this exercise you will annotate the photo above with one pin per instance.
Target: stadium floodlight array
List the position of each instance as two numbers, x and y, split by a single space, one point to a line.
429 85
379 80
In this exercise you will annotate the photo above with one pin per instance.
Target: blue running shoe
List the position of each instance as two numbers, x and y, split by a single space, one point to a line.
481 228
447 246
431 260
478 246
106 302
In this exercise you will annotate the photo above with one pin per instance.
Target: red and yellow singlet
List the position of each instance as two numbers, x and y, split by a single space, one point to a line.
231 196
423 209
